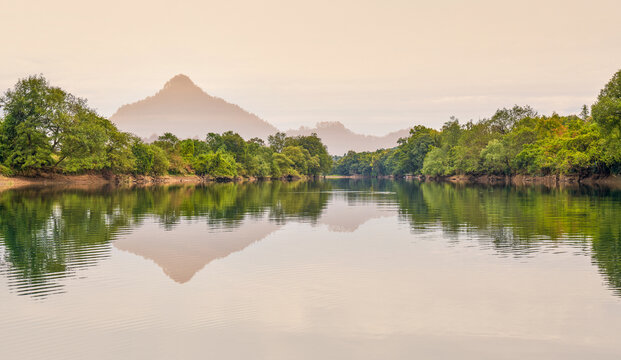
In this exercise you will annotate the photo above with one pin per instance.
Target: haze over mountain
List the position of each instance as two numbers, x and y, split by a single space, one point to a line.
340 139
186 110
183 108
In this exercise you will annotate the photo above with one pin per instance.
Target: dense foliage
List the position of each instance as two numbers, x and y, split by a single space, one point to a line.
45 129
513 141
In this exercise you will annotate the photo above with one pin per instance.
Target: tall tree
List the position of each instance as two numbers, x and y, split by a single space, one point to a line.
504 119
32 111
607 110
277 141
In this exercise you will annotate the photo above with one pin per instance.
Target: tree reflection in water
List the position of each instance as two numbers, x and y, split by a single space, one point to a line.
50 234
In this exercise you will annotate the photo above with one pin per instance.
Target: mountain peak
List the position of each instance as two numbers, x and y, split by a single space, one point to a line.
184 108
179 81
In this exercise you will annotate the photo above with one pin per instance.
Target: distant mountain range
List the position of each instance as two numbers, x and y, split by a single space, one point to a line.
184 109
340 139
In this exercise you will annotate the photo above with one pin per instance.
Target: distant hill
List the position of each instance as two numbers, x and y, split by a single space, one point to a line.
340 139
186 110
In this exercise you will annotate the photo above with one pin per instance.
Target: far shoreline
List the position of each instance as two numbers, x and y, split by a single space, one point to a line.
612 181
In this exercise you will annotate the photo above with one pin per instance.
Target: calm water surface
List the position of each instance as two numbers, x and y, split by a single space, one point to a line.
338 269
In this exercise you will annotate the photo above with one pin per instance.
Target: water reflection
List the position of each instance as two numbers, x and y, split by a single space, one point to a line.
192 247
49 235
519 221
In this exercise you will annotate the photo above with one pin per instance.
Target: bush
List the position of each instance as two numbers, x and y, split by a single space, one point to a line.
219 165
144 158
5 171
160 161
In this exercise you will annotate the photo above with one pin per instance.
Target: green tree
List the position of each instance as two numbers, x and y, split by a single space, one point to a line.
317 150
607 113
48 129
607 110
144 156
160 161
584 112
186 149
299 156
167 142
436 162
219 165
277 141
32 111
172 148
119 154
412 150
83 142
496 158
504 119
283 166
466 155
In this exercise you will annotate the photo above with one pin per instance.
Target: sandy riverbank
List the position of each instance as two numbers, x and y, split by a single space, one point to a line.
95 180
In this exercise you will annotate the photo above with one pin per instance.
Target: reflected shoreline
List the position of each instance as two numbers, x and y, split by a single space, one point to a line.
59 182
554 181
51 233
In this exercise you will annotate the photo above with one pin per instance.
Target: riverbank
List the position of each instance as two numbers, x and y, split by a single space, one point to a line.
522 180
87 180
517 180
95 180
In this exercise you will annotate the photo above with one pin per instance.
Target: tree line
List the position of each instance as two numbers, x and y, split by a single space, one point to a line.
45 129
513 141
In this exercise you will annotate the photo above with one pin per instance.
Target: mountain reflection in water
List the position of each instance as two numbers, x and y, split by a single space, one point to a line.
51 235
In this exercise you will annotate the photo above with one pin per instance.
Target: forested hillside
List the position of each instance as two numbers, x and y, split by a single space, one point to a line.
44 129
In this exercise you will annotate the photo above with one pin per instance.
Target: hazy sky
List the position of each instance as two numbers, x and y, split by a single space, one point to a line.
376 66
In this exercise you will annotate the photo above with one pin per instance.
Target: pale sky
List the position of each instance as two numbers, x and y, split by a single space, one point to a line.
376 66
